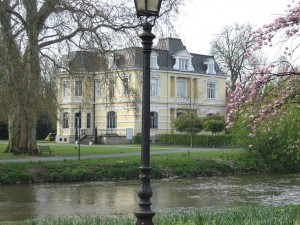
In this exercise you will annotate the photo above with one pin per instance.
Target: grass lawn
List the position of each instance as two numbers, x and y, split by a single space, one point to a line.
288 215
72 150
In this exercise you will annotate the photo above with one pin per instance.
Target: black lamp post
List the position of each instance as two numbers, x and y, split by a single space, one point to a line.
78 130
147 11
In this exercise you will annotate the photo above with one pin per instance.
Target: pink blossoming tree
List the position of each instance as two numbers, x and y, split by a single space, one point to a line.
267 97
262 95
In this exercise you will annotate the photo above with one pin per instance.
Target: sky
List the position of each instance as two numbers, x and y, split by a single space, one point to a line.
199 21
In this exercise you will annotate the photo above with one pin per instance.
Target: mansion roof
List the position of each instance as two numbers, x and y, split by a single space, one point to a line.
167 51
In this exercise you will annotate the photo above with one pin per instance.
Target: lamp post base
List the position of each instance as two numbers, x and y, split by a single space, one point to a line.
144 215
144 218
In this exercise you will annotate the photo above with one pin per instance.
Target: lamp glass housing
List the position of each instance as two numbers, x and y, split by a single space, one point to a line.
147 7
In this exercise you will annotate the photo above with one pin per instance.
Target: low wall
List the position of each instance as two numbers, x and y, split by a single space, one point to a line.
113 139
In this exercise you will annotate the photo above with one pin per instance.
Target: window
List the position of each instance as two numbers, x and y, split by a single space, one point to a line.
183 64
78 88
181 88
153 120
111 62
98 88
153 60
211 90
210 69
111 89
88 120
111 120
125 86
183 61
65 120
210 66
154 87
66 88
77 120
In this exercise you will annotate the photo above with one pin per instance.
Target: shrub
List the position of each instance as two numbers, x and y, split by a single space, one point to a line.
219 141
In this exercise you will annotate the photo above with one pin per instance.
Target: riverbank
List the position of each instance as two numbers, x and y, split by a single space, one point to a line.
184 164
288 215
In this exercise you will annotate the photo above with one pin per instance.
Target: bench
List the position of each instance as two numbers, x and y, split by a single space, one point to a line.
44 148
20 151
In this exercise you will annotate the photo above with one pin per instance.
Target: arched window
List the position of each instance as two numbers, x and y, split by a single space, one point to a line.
153 120
77 121
111 119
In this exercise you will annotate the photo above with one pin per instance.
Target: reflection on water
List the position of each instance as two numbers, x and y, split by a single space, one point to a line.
49 200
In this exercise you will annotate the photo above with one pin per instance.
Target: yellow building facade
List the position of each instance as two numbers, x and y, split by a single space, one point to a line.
101 96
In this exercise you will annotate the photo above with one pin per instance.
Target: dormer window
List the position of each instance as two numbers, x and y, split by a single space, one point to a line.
183 61
153 60
210 66
111 62
183 64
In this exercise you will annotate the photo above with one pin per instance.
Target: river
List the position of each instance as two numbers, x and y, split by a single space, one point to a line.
19 202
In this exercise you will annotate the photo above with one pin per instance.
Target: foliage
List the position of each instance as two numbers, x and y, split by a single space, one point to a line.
279 147
138 138
219 141
214 123
190 123
266 101
288 215
261 95
214 126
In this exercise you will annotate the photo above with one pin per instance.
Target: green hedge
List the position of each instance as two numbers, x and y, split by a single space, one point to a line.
211 141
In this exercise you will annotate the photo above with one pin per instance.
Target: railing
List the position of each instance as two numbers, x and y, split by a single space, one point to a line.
182 100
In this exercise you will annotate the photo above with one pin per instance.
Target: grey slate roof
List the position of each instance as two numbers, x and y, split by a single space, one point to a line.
133 58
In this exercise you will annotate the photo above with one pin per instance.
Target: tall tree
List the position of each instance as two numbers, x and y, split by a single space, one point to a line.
36 29
229 49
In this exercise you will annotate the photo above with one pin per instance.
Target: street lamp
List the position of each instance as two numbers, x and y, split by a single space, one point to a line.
147 11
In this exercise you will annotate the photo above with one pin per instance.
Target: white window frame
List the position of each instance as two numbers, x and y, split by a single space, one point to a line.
66 88
181 93
154 86
210 66
78 89
183 61
98 88
125 86
153 60
111 120
184 64
65 120
211 92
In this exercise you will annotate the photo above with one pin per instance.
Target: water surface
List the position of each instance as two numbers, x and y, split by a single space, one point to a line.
53 200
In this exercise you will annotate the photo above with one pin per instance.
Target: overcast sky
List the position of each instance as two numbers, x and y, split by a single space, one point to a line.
200 20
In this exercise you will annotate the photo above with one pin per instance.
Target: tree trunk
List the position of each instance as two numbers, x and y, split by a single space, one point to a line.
191 140
32 73
13 132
